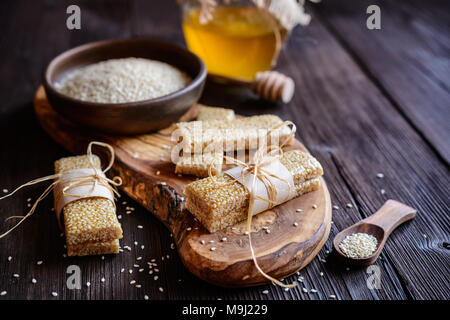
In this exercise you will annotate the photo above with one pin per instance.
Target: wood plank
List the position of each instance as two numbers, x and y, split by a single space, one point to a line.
408 58
341 113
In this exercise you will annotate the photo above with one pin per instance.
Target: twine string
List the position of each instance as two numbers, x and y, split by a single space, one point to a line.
98 177
256 168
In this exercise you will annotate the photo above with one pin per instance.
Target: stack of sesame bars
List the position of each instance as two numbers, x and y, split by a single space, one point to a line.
91 225
220 201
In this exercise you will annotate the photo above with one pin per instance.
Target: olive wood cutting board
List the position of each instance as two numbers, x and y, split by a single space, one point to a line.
143 163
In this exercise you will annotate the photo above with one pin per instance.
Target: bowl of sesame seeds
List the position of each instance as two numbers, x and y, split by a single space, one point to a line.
128 86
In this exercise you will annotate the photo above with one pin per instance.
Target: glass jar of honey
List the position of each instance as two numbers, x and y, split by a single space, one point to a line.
237 39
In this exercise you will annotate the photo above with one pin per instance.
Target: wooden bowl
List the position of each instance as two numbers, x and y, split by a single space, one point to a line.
133 117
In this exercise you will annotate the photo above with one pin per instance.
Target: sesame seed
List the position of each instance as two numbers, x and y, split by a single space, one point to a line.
146 297
29 199
158 173
102 280
265 292
213 248
55 294
323 260
286 289
3 293
299 210
161 289
295 224
172 246
138 286
39 262
211 241
119 217
135 243
383 191
15 275
140 227
332 296
424 235
155 278
139 258
301 279
5 190
103 257
380 175
305 290
9 258
348 269
268 231
349 205
313 290
142 247
189 229
314 206
358 245
124 202
128 212
140 270
223 239
33 280
136 265
202 241
321 274
88 284
132 281
335 207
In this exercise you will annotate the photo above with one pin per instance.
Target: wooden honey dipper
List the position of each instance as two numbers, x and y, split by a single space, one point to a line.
268 85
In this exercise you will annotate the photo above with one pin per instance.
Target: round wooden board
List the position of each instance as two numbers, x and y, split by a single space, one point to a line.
283 251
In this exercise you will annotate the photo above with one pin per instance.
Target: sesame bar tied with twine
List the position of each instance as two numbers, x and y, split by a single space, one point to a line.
86 198
270 179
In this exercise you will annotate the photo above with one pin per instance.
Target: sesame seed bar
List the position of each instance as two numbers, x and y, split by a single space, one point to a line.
93 248
225 202
88 219
231 135
197 164
215 113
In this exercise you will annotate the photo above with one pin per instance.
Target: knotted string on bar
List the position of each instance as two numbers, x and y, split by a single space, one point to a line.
89 179
261 158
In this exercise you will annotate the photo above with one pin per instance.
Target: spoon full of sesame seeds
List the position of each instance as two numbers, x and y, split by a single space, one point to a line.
362 243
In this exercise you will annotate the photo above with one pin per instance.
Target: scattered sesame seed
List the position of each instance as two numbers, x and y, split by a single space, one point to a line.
223 239
9 258
286 289
323 260
305 290
321 274
124 202
424 235
55 294
136 265
39 262
155 278
3 293
213 248
146 297
380 175
140 227
295 224
158 173
156 270
301 279
142 247
132 281
5 190
313 290
139 258
349 205
161 289
128 212
348 269
15 275
335 207
29 199
103 257
29 205
314 206
383 191
140 270
102 280
172 246
33 280
265 292
88 284
202 241
189 229
268 231
332 296
135 243
299 210
119 217
138 286
211 241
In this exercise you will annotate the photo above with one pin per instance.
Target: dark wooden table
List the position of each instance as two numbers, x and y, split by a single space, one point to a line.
367 102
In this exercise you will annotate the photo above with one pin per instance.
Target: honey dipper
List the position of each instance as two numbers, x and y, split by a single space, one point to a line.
268 85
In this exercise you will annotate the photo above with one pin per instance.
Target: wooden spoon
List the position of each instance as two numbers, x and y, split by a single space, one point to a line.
380 225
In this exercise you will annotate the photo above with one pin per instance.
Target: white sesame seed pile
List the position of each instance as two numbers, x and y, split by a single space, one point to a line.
358 245
123 80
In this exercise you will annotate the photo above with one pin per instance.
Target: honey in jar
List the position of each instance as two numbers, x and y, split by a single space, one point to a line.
237 42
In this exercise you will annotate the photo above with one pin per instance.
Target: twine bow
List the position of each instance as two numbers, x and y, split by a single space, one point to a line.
261 159
94 179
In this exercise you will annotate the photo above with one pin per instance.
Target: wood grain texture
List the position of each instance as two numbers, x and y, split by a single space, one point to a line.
144 164
346 116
